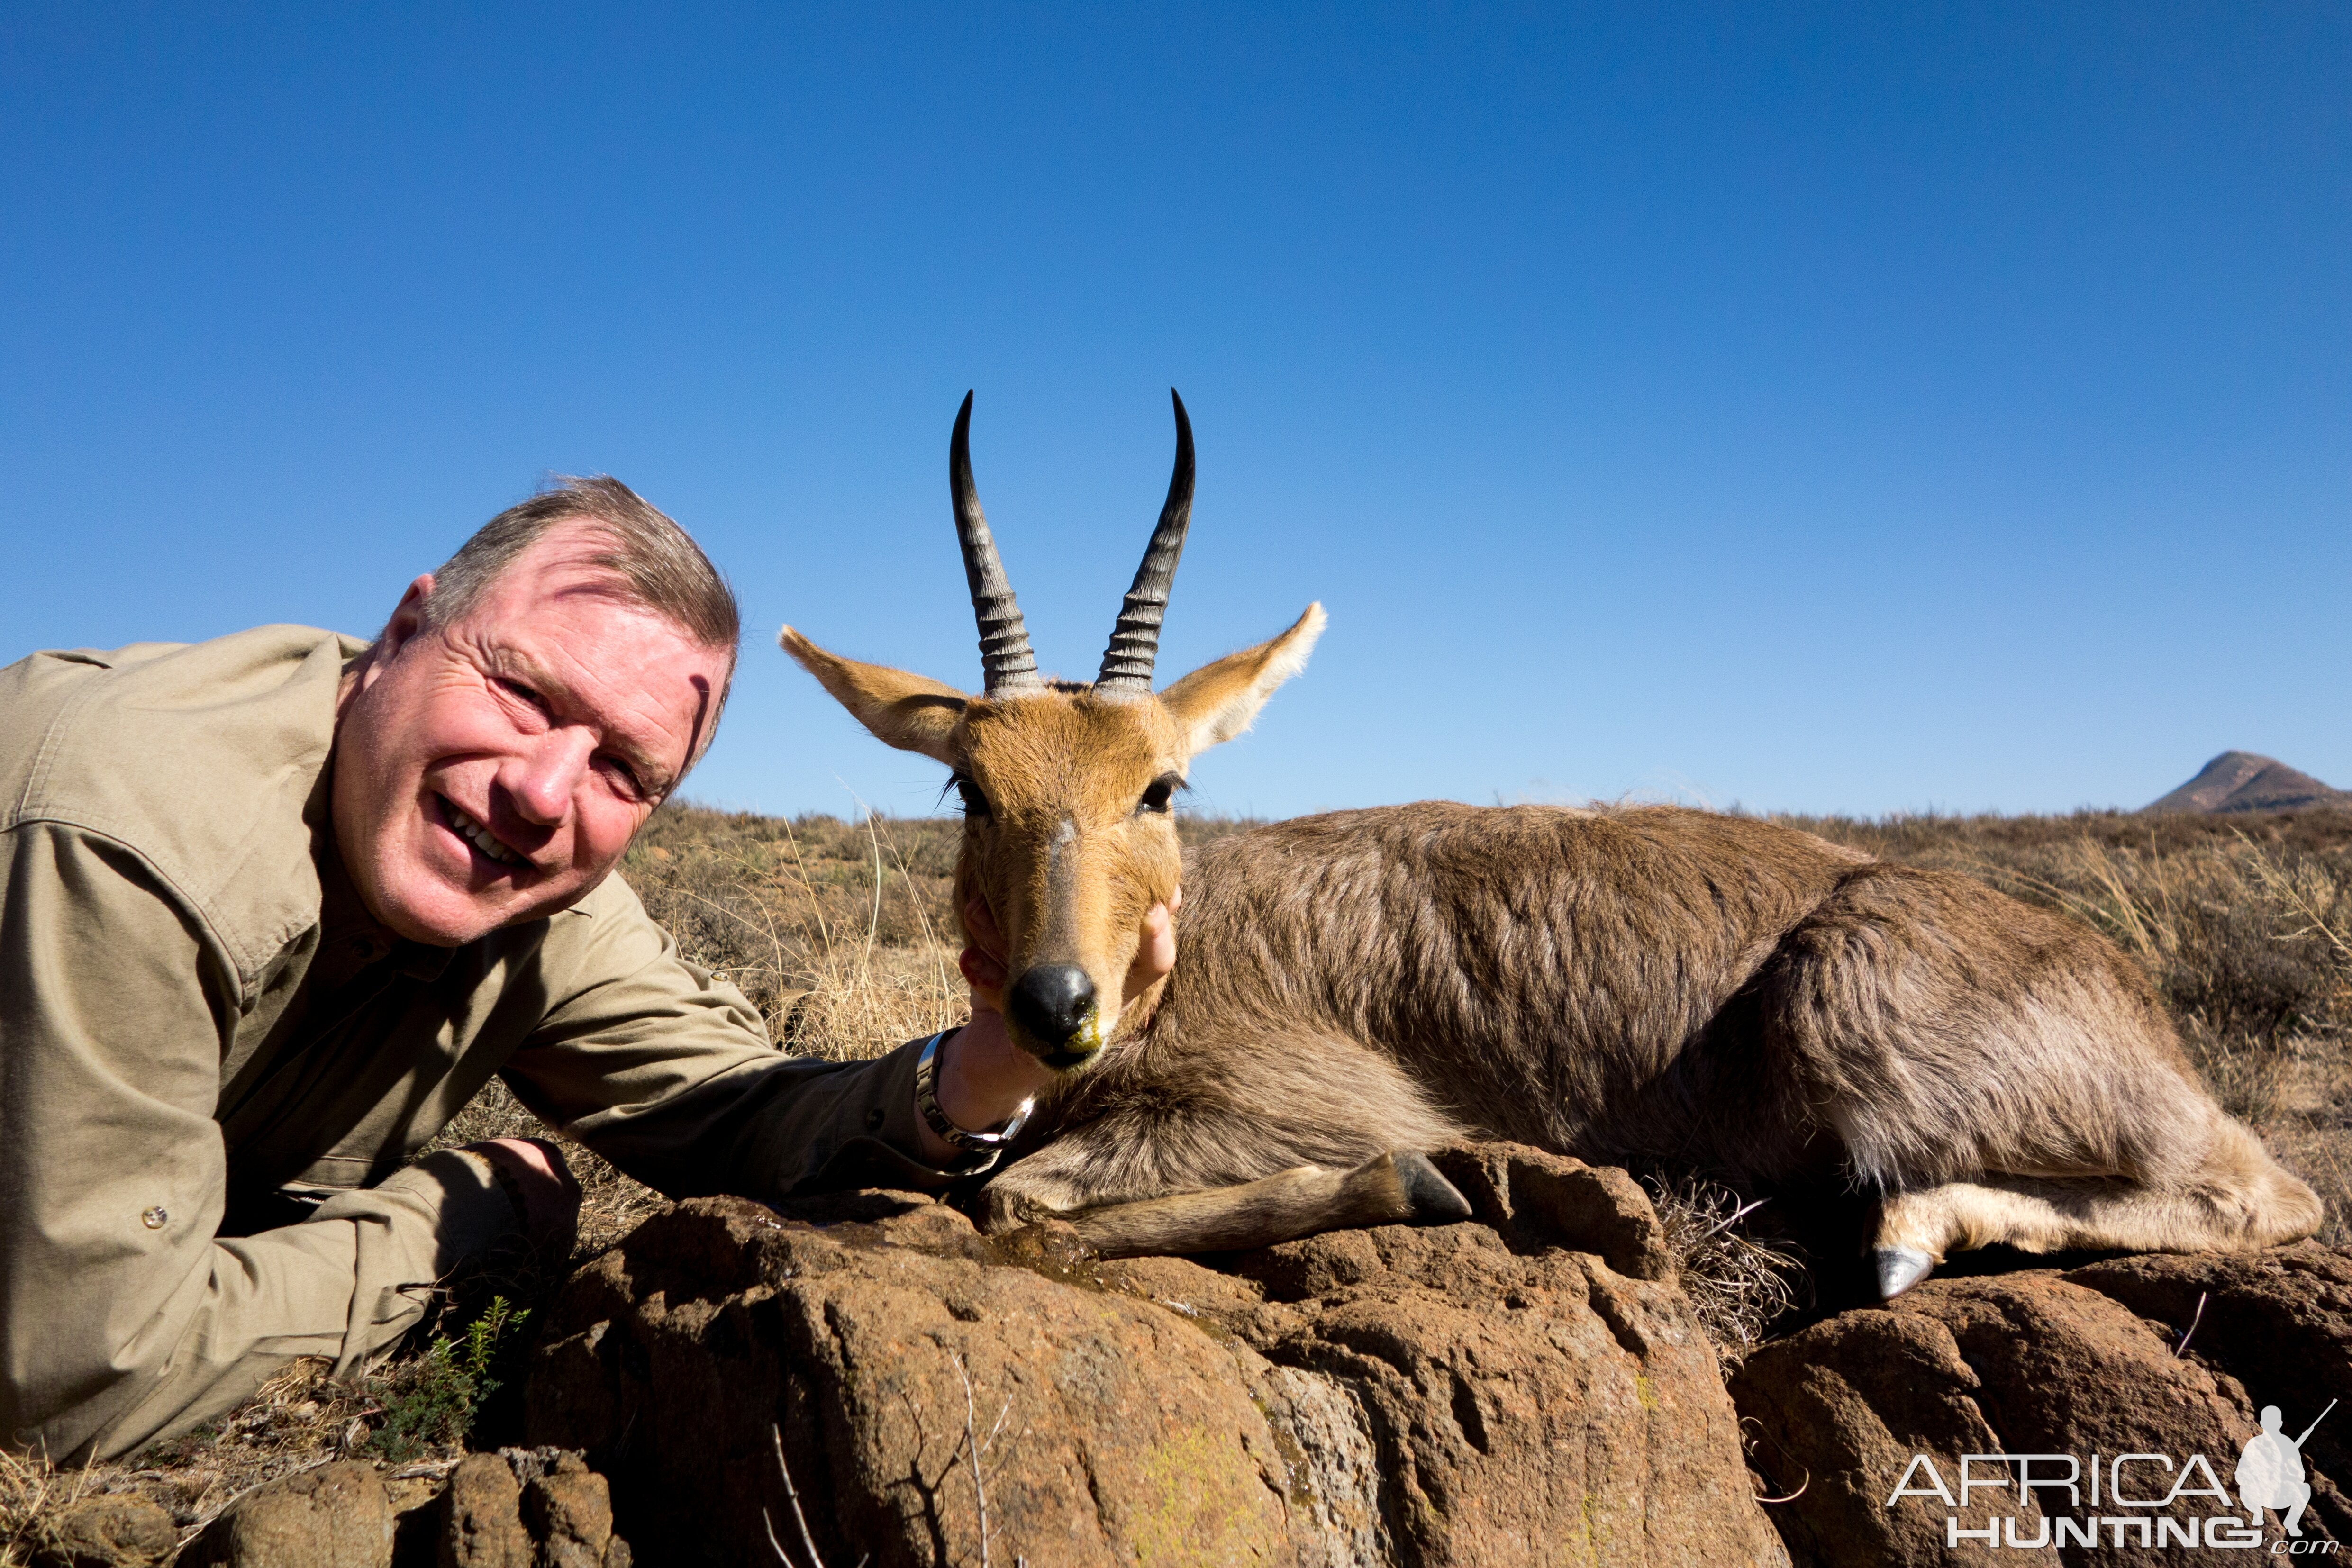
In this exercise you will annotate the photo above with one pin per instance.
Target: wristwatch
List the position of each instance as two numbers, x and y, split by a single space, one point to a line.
927 1101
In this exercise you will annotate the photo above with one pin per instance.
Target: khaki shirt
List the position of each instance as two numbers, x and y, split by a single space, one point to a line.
206 1039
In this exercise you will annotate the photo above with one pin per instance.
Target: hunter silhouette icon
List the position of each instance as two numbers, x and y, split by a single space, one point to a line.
2270 1472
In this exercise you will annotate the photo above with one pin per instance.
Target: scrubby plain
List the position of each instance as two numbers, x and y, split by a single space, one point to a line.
840 932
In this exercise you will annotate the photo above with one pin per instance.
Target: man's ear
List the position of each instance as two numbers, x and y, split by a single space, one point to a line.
408 621
912 712
1217 701
407 617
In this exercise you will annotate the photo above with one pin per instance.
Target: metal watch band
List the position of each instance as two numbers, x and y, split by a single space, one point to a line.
927 1101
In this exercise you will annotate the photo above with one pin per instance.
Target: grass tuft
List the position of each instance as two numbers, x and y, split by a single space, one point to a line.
1738 1284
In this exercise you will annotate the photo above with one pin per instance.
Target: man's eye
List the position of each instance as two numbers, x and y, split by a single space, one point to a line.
516 689
1159 793
627 775
975 804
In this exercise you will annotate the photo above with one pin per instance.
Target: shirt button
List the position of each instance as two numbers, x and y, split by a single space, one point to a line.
155 1218
874 1120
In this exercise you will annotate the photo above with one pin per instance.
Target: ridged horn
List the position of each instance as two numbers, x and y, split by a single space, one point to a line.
1004 656
1135 640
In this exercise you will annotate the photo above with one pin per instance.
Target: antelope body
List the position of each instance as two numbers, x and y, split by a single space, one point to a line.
1645 985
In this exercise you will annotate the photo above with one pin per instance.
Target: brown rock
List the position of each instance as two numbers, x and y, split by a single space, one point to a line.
1107 1425
2076 1365
2280 1322
336 1516
104 1531
415 1502
569 1508
1468 1394
482 1525
1539 1200
1522 1407
528 1508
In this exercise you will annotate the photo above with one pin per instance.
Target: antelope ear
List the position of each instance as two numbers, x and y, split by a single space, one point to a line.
1217 701
913 713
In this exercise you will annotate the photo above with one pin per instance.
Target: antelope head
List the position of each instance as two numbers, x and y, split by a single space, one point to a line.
1069 836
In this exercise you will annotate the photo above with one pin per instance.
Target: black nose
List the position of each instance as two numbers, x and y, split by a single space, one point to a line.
1052 1002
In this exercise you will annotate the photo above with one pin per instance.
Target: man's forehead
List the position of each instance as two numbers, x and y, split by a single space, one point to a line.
563 616
567 570
573 557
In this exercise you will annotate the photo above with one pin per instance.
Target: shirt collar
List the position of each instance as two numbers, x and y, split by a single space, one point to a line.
352 939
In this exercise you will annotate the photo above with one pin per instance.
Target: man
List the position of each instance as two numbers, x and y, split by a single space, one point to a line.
2270 1471
274 907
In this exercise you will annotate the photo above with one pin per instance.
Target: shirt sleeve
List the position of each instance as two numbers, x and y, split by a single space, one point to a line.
668 1072
121 1318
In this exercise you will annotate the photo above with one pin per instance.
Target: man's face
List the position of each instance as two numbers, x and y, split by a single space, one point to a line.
492 771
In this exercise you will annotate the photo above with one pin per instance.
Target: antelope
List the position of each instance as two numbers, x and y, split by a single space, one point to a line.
1642 985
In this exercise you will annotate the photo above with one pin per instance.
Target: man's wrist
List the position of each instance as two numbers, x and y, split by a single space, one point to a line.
932 1068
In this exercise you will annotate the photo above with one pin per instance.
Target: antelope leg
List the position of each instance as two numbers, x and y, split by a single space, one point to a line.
1394 1188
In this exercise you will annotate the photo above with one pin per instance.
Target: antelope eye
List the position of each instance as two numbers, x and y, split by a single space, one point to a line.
1158 793
975 804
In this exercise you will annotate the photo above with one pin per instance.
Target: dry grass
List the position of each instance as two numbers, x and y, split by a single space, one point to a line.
1740 1283
838 930
300 1419
840 933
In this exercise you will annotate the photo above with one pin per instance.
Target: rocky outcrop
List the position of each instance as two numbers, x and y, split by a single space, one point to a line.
2161 1363
520 1508
104 1531
513 1509
334 1516
867 1377
1529 1386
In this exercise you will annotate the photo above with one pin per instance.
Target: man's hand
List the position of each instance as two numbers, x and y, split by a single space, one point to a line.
982 958
534 1175
983 1076
1156 956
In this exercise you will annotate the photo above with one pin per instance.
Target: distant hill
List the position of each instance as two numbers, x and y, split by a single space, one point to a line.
2242 782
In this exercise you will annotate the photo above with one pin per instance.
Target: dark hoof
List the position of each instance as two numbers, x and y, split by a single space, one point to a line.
1435 1200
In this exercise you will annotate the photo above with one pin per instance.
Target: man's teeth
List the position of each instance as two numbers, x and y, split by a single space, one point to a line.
480 835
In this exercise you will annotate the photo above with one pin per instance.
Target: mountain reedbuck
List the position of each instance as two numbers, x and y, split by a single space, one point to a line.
1647 985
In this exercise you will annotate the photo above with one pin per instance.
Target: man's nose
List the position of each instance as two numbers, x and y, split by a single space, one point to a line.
542 780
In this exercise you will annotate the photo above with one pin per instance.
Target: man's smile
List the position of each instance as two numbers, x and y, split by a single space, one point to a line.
478 837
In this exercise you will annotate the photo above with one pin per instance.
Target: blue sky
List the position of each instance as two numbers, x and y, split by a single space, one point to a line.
1835 408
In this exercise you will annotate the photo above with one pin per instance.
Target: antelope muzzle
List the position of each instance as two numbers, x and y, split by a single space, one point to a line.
1055 1015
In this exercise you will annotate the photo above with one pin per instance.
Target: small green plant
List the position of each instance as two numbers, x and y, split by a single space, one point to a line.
431 1402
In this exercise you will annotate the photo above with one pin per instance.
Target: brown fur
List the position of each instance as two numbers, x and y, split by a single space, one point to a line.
1659 986
1647 985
